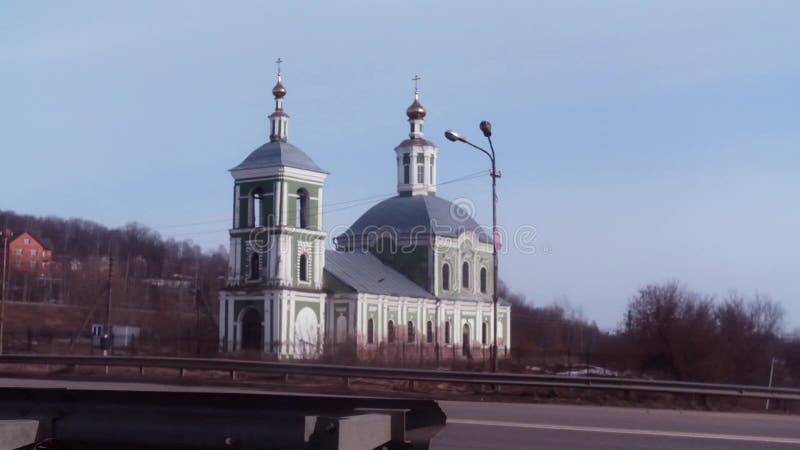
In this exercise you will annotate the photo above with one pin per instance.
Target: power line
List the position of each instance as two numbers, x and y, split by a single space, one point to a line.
347 204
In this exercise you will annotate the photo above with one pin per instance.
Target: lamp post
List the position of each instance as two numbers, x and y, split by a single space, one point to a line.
486 129
6 235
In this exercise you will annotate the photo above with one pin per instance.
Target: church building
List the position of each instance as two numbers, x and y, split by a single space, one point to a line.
412 275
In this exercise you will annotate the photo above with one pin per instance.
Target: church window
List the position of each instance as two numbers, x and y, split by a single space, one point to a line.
484 332
429 332
465 275
254 266
390 331
303 267
410 331
257 208
446 277
420 173
301 209
483 280
447 332
370 332
406 168
431 172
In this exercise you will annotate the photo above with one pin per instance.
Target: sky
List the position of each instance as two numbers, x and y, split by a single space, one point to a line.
639 142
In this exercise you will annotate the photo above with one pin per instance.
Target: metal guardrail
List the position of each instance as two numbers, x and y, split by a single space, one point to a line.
412 375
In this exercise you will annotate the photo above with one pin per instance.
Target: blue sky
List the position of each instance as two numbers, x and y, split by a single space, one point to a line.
645 141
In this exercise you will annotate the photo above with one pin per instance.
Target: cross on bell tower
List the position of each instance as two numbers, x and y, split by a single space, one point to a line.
279 120
416 157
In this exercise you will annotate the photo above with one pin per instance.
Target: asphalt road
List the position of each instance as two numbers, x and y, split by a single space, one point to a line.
472 425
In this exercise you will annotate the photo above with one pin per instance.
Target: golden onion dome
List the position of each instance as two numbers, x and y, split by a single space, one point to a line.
415 111
279 91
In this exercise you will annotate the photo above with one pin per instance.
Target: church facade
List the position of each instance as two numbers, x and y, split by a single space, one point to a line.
413 274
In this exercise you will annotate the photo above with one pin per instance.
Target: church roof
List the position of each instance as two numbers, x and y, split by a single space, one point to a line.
365 273
420 214
278 153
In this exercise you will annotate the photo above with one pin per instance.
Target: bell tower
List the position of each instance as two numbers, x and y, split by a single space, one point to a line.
277 247
416 156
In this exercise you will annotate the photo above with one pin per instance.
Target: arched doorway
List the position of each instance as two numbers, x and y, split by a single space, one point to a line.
252 330
465 340
306 332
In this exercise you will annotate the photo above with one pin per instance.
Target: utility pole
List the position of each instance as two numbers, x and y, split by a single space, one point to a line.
108 336
771 373
6 234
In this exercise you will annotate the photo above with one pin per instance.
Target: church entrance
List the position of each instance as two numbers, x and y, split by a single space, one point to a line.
252 330
465 341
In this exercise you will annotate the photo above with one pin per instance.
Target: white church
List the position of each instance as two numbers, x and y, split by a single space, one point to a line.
413 274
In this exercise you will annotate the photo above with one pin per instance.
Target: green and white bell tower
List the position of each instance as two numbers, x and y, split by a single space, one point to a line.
274 301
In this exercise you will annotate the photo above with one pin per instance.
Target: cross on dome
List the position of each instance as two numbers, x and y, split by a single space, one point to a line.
416 111
279 120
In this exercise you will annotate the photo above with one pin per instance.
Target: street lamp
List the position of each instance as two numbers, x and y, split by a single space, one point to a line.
486 129
6 235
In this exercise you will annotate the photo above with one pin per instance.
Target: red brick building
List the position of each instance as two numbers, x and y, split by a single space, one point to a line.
28 254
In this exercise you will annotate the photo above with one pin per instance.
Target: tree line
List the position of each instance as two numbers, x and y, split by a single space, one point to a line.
668 331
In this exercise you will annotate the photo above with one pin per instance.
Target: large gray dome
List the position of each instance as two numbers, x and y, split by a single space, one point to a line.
278 153
422 214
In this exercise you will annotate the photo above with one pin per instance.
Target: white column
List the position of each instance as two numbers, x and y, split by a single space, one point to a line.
319 209
231 320
284 333
284 200
222 324
236 202
277 201
266 323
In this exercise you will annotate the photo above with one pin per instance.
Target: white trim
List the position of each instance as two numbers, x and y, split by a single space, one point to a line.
280 171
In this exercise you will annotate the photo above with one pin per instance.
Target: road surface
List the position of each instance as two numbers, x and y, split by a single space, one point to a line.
505 426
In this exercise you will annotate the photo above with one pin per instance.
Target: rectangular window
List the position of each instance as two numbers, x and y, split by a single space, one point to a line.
26 240
17 251
420 173
34 252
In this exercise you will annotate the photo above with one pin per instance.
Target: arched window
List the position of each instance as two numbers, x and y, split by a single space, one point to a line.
483 280
254 266
301 209
484 332
303 267
370 332
257 208
465 275
447 332
431 180
390 331
406 168
446 277
429 332
410 331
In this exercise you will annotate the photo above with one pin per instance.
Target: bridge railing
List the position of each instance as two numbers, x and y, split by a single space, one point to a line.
234 367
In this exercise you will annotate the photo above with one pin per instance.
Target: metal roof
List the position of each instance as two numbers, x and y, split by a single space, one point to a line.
276 154
421 214
365 273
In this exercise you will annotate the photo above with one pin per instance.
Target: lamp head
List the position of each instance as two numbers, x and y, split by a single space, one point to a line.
453 136
486 128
